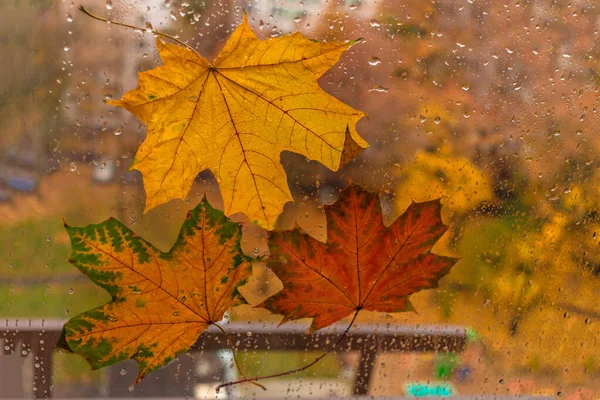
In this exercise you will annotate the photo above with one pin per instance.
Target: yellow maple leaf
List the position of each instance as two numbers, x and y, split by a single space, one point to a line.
235 116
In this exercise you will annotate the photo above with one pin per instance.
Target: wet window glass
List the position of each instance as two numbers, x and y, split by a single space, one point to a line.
198 201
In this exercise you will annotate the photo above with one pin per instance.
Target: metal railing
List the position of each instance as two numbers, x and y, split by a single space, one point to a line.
39 337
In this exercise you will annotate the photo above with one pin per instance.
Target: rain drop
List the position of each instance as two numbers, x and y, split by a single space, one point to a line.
379 88
109 4
374 61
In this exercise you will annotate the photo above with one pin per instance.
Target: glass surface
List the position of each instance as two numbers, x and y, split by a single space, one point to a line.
491 106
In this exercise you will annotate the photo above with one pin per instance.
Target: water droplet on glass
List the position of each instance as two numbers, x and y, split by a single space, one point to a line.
374 23
374 61
176 313
437 120
73 167
465 87
69 17
566 55
173 16
249 334
109 5
71 291
123 371
118 131
66 48
108 97
379 88
297 19
168 3
149 27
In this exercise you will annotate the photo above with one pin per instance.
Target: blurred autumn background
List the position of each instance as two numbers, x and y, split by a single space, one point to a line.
491 106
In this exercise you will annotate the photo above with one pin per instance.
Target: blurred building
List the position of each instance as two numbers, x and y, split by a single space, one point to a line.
291 15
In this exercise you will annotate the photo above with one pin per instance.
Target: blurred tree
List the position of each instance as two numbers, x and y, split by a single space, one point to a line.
28 77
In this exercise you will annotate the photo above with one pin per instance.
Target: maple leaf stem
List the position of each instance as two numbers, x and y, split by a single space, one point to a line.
237 364
293 371
156 32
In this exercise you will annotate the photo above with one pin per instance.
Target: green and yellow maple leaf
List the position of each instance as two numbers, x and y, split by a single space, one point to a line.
161 302
235 116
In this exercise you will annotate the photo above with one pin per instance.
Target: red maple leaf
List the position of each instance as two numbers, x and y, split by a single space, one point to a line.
363 266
